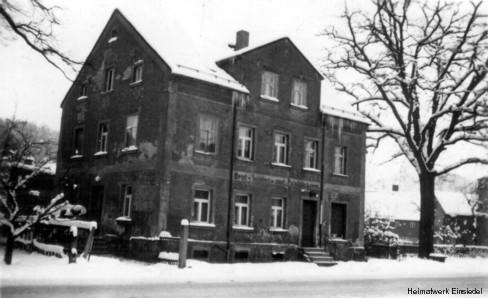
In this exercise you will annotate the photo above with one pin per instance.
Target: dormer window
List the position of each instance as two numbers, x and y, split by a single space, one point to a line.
137 72
269 85
299 93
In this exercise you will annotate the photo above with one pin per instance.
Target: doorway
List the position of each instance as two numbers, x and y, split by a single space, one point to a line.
309 215
96 203
338 220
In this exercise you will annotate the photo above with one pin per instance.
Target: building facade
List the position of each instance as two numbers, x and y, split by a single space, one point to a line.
239 148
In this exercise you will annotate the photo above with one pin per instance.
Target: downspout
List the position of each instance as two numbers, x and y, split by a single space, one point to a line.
231 171
322 169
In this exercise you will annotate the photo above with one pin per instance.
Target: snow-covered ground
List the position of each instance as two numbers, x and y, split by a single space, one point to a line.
39 269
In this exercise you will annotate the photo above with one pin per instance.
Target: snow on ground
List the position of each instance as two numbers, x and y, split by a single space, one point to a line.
39 269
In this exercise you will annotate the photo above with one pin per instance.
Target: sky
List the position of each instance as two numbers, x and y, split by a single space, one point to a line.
36 89
32 89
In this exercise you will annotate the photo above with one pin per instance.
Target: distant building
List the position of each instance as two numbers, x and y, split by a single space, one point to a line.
400 206
452 208
482 210
150 134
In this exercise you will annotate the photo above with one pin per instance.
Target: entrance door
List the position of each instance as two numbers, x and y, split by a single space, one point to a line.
338 220
308 222
96 203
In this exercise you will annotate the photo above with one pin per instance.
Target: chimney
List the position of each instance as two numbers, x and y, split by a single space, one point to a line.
242 40
395 187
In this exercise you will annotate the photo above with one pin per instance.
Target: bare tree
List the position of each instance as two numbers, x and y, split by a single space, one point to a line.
18 150
33 22
420 77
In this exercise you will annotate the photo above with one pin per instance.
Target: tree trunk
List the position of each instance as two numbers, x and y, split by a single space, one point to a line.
427 214
9 248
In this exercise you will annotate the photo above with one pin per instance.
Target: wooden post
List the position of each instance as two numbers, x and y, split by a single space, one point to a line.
183 243
72 253
89 244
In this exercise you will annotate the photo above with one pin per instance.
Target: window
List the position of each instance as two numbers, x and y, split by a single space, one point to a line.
277 213
109 80
340 160
79 137
299 93
200 254
281 143
207 136
83 91
127 199
311 154
80 113
102 137
269 84
137 72
241 210
113 36
201 206
245 147
131 131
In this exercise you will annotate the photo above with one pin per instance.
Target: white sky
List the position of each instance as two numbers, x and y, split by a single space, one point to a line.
33 90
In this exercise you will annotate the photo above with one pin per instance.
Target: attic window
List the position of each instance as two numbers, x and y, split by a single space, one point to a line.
113 36
83 92
109 79
137 72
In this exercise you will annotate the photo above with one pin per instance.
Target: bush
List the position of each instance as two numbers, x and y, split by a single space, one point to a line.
379 230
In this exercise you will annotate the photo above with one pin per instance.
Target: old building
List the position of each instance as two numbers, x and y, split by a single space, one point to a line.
154 132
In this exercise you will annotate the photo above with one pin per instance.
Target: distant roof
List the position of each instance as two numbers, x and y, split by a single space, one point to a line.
405 205
347 114
184 55
455 203
260 45
400 205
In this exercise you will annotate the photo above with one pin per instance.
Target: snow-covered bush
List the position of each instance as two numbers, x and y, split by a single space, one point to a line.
446 234
379 230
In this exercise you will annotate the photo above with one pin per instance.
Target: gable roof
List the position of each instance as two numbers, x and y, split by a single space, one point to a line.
346 114
399 205
405 205
454 203
261 45
176 48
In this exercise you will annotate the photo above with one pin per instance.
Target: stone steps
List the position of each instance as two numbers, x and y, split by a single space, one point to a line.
318 256
100 246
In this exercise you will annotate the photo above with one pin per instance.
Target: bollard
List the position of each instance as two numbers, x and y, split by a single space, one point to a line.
183 243
72 254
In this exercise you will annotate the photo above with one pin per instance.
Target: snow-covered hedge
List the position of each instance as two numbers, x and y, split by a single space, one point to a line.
461 250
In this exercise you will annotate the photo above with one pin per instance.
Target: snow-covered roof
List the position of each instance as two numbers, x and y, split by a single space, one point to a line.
186 56
262 44
346 114
454 203
399 205
405 205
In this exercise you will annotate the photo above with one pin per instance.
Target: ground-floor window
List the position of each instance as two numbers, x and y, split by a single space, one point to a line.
241 210
201 206
277 213
127 199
